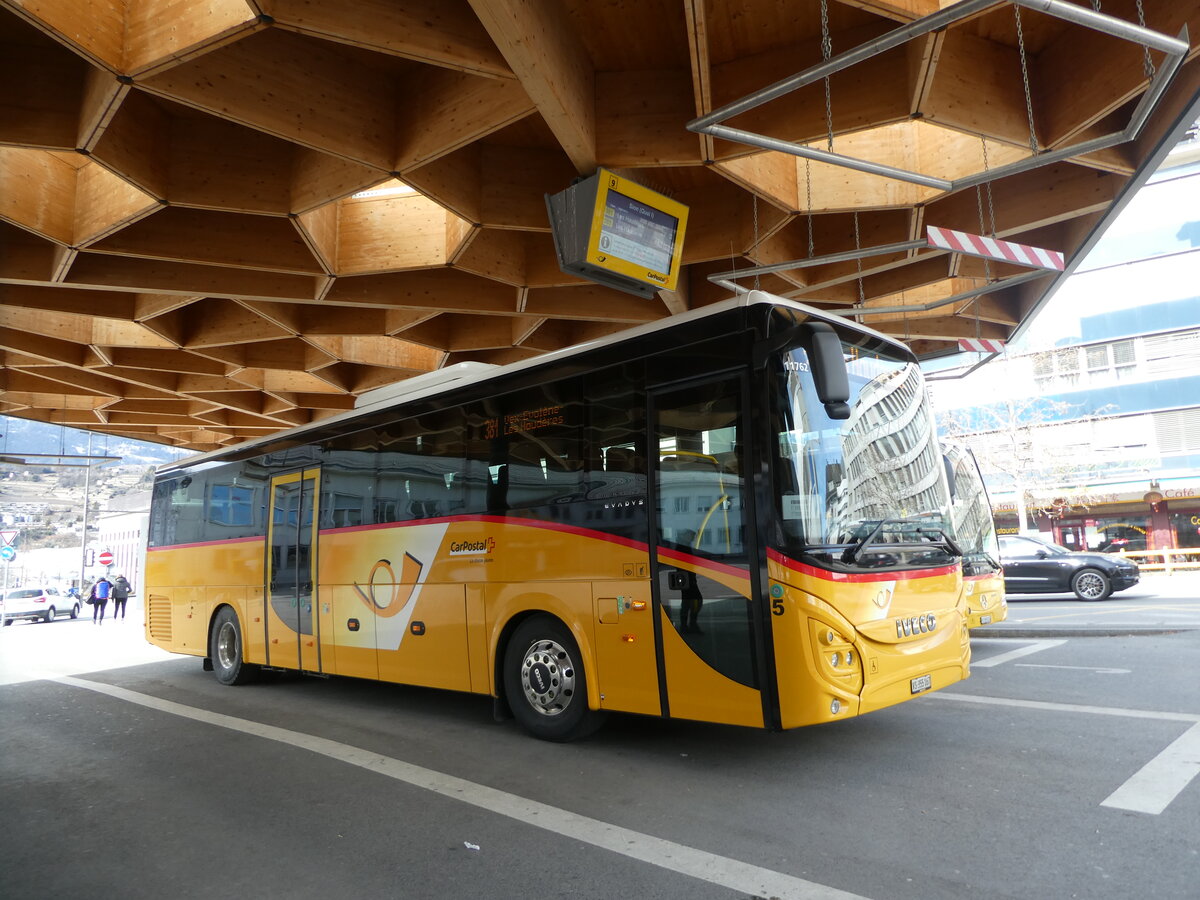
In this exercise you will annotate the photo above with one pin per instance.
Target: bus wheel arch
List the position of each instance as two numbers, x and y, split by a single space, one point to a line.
227 648
544 679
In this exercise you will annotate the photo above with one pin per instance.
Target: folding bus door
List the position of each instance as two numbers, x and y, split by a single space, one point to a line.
291 572
705 553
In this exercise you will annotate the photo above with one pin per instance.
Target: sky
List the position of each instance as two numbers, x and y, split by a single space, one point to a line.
1150 254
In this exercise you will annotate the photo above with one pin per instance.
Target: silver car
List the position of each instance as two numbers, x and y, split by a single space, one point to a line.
38 604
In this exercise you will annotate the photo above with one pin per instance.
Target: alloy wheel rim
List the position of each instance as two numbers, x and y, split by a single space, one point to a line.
548 677
226 645
1091 585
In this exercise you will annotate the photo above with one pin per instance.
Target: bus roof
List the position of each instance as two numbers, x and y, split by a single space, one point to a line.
467 373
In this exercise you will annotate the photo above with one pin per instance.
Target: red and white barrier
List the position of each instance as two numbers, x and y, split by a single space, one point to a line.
991 248
980 345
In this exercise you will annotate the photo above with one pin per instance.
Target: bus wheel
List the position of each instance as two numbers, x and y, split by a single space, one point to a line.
545 683
225 650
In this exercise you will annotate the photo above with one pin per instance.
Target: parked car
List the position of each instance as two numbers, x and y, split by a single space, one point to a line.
39 603
1036 566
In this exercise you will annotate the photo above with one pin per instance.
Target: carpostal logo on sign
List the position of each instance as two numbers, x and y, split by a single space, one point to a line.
473 548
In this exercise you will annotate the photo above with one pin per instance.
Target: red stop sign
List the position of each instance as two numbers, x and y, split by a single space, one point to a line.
105 558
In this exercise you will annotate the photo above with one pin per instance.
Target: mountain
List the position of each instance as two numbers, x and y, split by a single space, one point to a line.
25 435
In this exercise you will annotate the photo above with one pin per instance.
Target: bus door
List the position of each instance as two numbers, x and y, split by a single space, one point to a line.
291 572
704 553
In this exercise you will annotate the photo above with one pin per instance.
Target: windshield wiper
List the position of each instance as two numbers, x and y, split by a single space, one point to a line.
917 526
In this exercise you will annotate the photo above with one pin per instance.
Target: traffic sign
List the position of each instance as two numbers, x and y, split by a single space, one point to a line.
7 538
7 553
105 558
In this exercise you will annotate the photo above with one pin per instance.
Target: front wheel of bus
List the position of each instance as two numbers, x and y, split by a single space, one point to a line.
225 650
545 683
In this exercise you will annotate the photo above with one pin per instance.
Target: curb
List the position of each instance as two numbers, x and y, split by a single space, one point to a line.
1130 631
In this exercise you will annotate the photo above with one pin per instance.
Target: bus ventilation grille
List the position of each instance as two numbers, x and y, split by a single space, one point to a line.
160 618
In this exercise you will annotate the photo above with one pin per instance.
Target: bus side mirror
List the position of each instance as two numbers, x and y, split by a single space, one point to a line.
828 365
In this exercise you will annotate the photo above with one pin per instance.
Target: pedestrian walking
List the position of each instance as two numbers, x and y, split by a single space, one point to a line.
99 599
120 593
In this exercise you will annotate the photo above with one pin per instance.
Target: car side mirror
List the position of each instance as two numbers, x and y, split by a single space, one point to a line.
1041 554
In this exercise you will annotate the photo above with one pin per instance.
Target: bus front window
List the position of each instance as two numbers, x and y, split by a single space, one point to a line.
846 489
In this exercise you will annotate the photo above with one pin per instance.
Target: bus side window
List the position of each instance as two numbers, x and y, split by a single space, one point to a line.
542 444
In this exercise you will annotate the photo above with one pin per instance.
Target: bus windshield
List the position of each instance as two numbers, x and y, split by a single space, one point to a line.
867 491
971 513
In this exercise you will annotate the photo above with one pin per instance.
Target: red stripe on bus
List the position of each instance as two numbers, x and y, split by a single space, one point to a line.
846 577
701 563
498 520
193 544
980 577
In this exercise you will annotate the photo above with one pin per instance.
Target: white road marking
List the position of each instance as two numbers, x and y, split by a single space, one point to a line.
1162 779
721 870
1157 783
1071 707
1033 647
1099 671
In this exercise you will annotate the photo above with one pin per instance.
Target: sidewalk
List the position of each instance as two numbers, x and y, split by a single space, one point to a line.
1159 604
35 650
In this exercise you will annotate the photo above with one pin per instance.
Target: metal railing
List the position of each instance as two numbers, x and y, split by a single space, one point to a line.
1167 560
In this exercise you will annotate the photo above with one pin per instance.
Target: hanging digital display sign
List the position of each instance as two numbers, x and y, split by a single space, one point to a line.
618 233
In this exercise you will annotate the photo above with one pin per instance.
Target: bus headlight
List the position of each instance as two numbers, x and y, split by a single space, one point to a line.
835 706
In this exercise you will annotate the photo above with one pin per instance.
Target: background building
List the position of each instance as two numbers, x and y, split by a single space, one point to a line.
1092 419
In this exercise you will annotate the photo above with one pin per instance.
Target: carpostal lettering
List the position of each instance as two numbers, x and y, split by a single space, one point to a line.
654 276
470 548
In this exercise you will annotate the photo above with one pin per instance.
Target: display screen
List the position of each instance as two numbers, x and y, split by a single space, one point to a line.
637 233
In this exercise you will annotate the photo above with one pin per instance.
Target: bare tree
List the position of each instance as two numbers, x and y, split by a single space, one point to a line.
1033 442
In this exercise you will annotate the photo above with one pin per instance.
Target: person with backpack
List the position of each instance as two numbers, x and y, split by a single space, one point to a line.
99 599
120 593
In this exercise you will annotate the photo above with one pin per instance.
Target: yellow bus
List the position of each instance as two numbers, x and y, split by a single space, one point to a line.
975 531
738 515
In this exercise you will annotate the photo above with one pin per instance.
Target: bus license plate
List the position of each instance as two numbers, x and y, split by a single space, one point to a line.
985 620
924 683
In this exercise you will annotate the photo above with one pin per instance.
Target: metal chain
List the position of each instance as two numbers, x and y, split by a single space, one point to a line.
756 237
1033 143
1147 62
858 246
982 226
987 265
826 52
808 192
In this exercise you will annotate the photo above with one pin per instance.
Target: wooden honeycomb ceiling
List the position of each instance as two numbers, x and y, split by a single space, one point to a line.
184 259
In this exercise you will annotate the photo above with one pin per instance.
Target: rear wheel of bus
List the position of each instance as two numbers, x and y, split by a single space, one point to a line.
545 684
225 650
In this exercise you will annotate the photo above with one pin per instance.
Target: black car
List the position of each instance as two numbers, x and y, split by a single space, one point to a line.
1035 566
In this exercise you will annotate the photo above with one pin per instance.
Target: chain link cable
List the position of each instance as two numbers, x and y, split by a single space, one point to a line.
756 256
858 260
1147 62
826 52
1033 142
808 200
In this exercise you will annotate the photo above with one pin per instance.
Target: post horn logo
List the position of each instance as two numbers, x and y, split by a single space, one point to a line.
401 589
